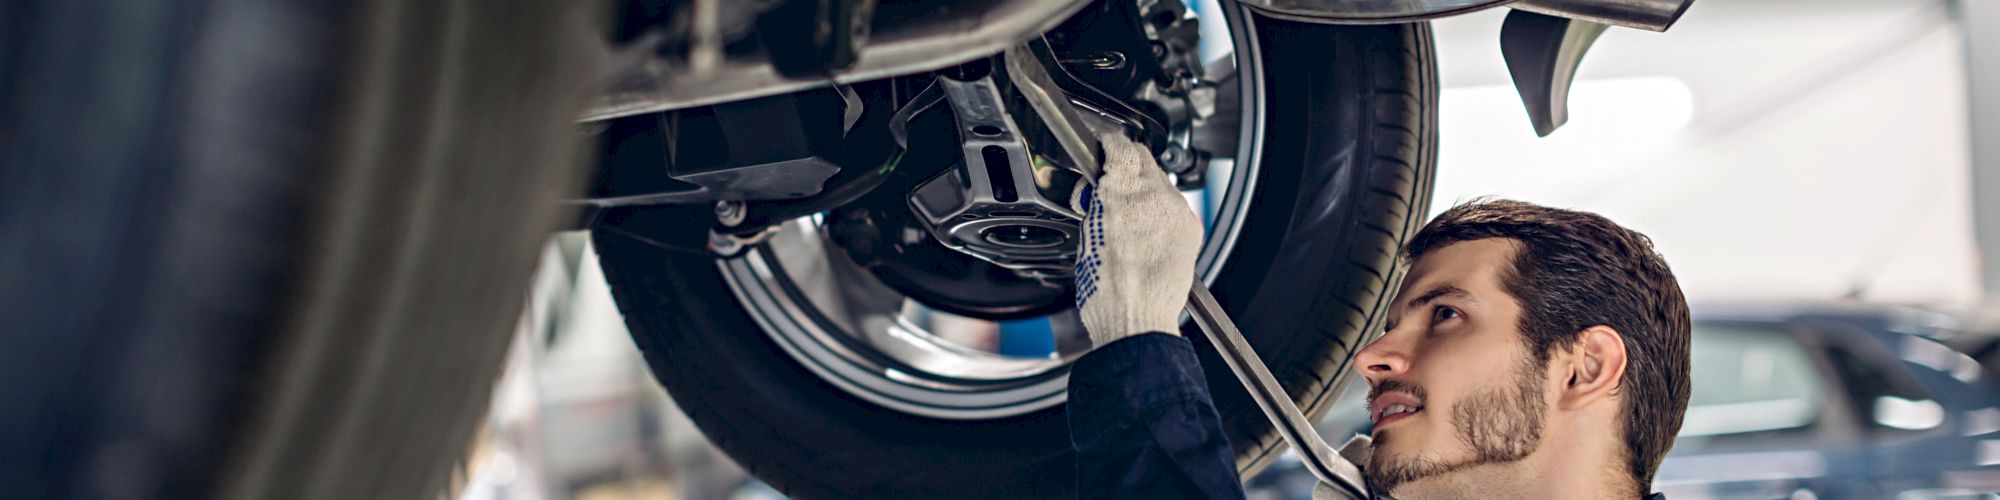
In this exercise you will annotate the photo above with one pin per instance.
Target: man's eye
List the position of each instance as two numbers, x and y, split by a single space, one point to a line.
1443 313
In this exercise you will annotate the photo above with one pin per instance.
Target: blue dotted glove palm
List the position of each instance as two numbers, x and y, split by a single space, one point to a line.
1139 247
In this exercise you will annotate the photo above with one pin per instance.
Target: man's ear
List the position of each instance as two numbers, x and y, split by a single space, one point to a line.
1596 367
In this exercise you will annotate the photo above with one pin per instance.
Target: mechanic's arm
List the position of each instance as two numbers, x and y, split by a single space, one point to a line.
1143 426
1139 410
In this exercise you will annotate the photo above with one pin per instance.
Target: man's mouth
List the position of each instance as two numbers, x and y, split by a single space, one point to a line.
1395 412
1393 405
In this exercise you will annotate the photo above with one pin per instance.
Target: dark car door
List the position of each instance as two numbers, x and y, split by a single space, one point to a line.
1768 418
1929 414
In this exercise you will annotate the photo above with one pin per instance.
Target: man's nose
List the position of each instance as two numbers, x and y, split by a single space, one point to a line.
1385 358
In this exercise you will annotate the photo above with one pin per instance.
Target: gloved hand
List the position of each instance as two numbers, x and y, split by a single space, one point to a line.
1139 247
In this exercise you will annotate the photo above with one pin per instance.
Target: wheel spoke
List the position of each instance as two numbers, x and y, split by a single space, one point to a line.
850 296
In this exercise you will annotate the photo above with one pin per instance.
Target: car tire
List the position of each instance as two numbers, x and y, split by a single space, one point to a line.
1348 161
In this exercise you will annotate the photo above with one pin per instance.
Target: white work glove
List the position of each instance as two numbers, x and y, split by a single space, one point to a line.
1139 247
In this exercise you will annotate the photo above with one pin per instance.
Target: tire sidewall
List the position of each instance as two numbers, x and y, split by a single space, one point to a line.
1359 136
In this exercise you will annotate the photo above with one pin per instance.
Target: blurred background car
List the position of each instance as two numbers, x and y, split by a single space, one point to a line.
1835 402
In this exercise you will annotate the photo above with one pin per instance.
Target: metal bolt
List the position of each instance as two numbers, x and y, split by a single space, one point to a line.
723 245
1190 180
1099 61
731 245
1174 158
1196 172
730 213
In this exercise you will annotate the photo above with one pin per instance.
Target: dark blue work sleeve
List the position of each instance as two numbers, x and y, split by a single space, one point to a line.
1143 425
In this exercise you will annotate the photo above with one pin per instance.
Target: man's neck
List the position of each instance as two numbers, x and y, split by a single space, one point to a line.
1562 467
1524 479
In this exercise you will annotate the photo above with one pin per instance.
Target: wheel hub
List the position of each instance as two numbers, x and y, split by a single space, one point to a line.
1025 236
901 299
1008 205
1003 204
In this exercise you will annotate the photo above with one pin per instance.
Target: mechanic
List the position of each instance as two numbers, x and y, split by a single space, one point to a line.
1533 353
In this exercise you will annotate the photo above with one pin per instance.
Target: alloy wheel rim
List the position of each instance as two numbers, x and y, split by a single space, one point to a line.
801 291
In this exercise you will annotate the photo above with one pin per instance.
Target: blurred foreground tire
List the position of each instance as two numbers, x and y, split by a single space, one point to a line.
269 249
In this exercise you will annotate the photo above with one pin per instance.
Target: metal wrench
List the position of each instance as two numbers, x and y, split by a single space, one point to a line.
1319 458
1054 109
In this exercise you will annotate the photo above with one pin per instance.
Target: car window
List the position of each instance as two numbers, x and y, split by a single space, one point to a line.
1748 382
1883 391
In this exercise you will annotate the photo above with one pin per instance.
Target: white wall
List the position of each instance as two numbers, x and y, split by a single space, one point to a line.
1774 150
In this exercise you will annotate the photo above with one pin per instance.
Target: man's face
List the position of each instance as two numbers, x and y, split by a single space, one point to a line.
1455 354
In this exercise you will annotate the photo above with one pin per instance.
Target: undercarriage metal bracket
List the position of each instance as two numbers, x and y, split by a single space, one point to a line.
1650 15
1028 65
811 38
761 149
902 38
1542 54
1003 206
1367 11
1543 41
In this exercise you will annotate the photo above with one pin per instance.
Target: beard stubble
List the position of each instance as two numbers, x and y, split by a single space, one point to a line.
1500 426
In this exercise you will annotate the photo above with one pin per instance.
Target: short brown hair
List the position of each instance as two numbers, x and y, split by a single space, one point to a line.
1575 270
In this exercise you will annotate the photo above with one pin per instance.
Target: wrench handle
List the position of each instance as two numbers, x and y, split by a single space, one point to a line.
1292 424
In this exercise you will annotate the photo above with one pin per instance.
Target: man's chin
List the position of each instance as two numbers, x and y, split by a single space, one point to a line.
1398 445
1389 470
1419 476
1423 488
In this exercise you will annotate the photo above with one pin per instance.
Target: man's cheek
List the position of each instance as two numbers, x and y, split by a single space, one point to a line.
1429 431
1409 436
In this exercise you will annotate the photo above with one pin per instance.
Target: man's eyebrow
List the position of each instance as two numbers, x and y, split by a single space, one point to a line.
1446 290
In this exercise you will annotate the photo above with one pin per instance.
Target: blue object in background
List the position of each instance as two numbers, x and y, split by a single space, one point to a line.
1028 338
